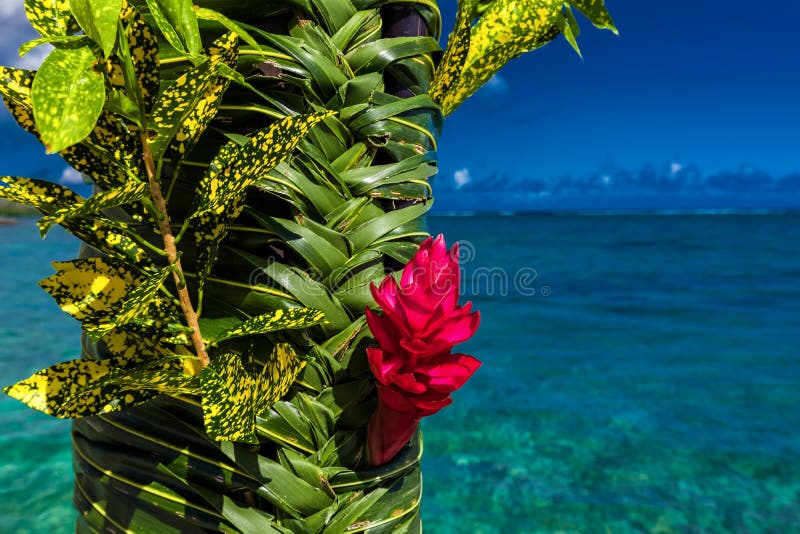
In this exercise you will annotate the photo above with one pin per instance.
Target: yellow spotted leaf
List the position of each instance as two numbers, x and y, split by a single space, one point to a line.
235 168
79 388
505 30
51 18
452 63
186 107
136 305
129 192
110 237
91 289
277 376
67 97
228 401
269 322
233 396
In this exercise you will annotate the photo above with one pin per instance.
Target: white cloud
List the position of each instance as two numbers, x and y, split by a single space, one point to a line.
70 177
675 168
461 178
16 30
497 85
34 58
12 8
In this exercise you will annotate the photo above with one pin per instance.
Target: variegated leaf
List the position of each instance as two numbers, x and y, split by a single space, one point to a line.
79 388
596 12
50 17
277 376
177 21
111 237
173 381
144 55
136 304
67 97
125 343
186 107
235 168
98 19
505 30
452 63
269 322
228 399
103 155
91 289
129 192
232 396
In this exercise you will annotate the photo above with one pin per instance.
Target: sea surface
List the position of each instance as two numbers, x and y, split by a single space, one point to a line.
641 373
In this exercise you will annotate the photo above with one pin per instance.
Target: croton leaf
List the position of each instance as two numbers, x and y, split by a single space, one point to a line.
233 396
110 237
136 304
79 388
269 322
277 376
596 12
50 17
91 289
185 108
67 97
99 20
228 400
235 168
505 30
177 21
130 192
449 69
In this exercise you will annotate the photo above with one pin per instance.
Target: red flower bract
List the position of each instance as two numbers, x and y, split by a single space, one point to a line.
414 364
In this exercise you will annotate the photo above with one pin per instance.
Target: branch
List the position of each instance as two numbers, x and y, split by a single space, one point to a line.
172 254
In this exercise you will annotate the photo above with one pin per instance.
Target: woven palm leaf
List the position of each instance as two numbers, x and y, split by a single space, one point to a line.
340 213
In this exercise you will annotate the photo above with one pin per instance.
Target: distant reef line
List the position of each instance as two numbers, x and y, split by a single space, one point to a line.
14 209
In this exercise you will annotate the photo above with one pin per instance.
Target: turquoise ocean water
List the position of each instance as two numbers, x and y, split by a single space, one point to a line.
641 374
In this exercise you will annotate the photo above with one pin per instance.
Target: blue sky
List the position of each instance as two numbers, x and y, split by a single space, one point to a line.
691 91
709 84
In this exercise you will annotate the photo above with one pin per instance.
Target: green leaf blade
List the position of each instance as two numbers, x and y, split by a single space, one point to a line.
99 20
269 322
177 21
67 97
228 400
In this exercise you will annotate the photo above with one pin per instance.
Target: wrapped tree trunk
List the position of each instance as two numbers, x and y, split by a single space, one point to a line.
261 173
339 214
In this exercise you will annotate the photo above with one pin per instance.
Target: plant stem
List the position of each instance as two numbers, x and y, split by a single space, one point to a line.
172 254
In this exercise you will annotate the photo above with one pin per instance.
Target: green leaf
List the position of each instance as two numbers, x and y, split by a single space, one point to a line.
177 21
209 14
91 289
130 192
99 20
505 30
186 107
596 12
228 400
269 322
135 306
232 396
449 70
58 39
277 376
222 188
110 237
79 388
67 97
50 17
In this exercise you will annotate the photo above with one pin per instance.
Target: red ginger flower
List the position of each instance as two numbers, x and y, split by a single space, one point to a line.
414 366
